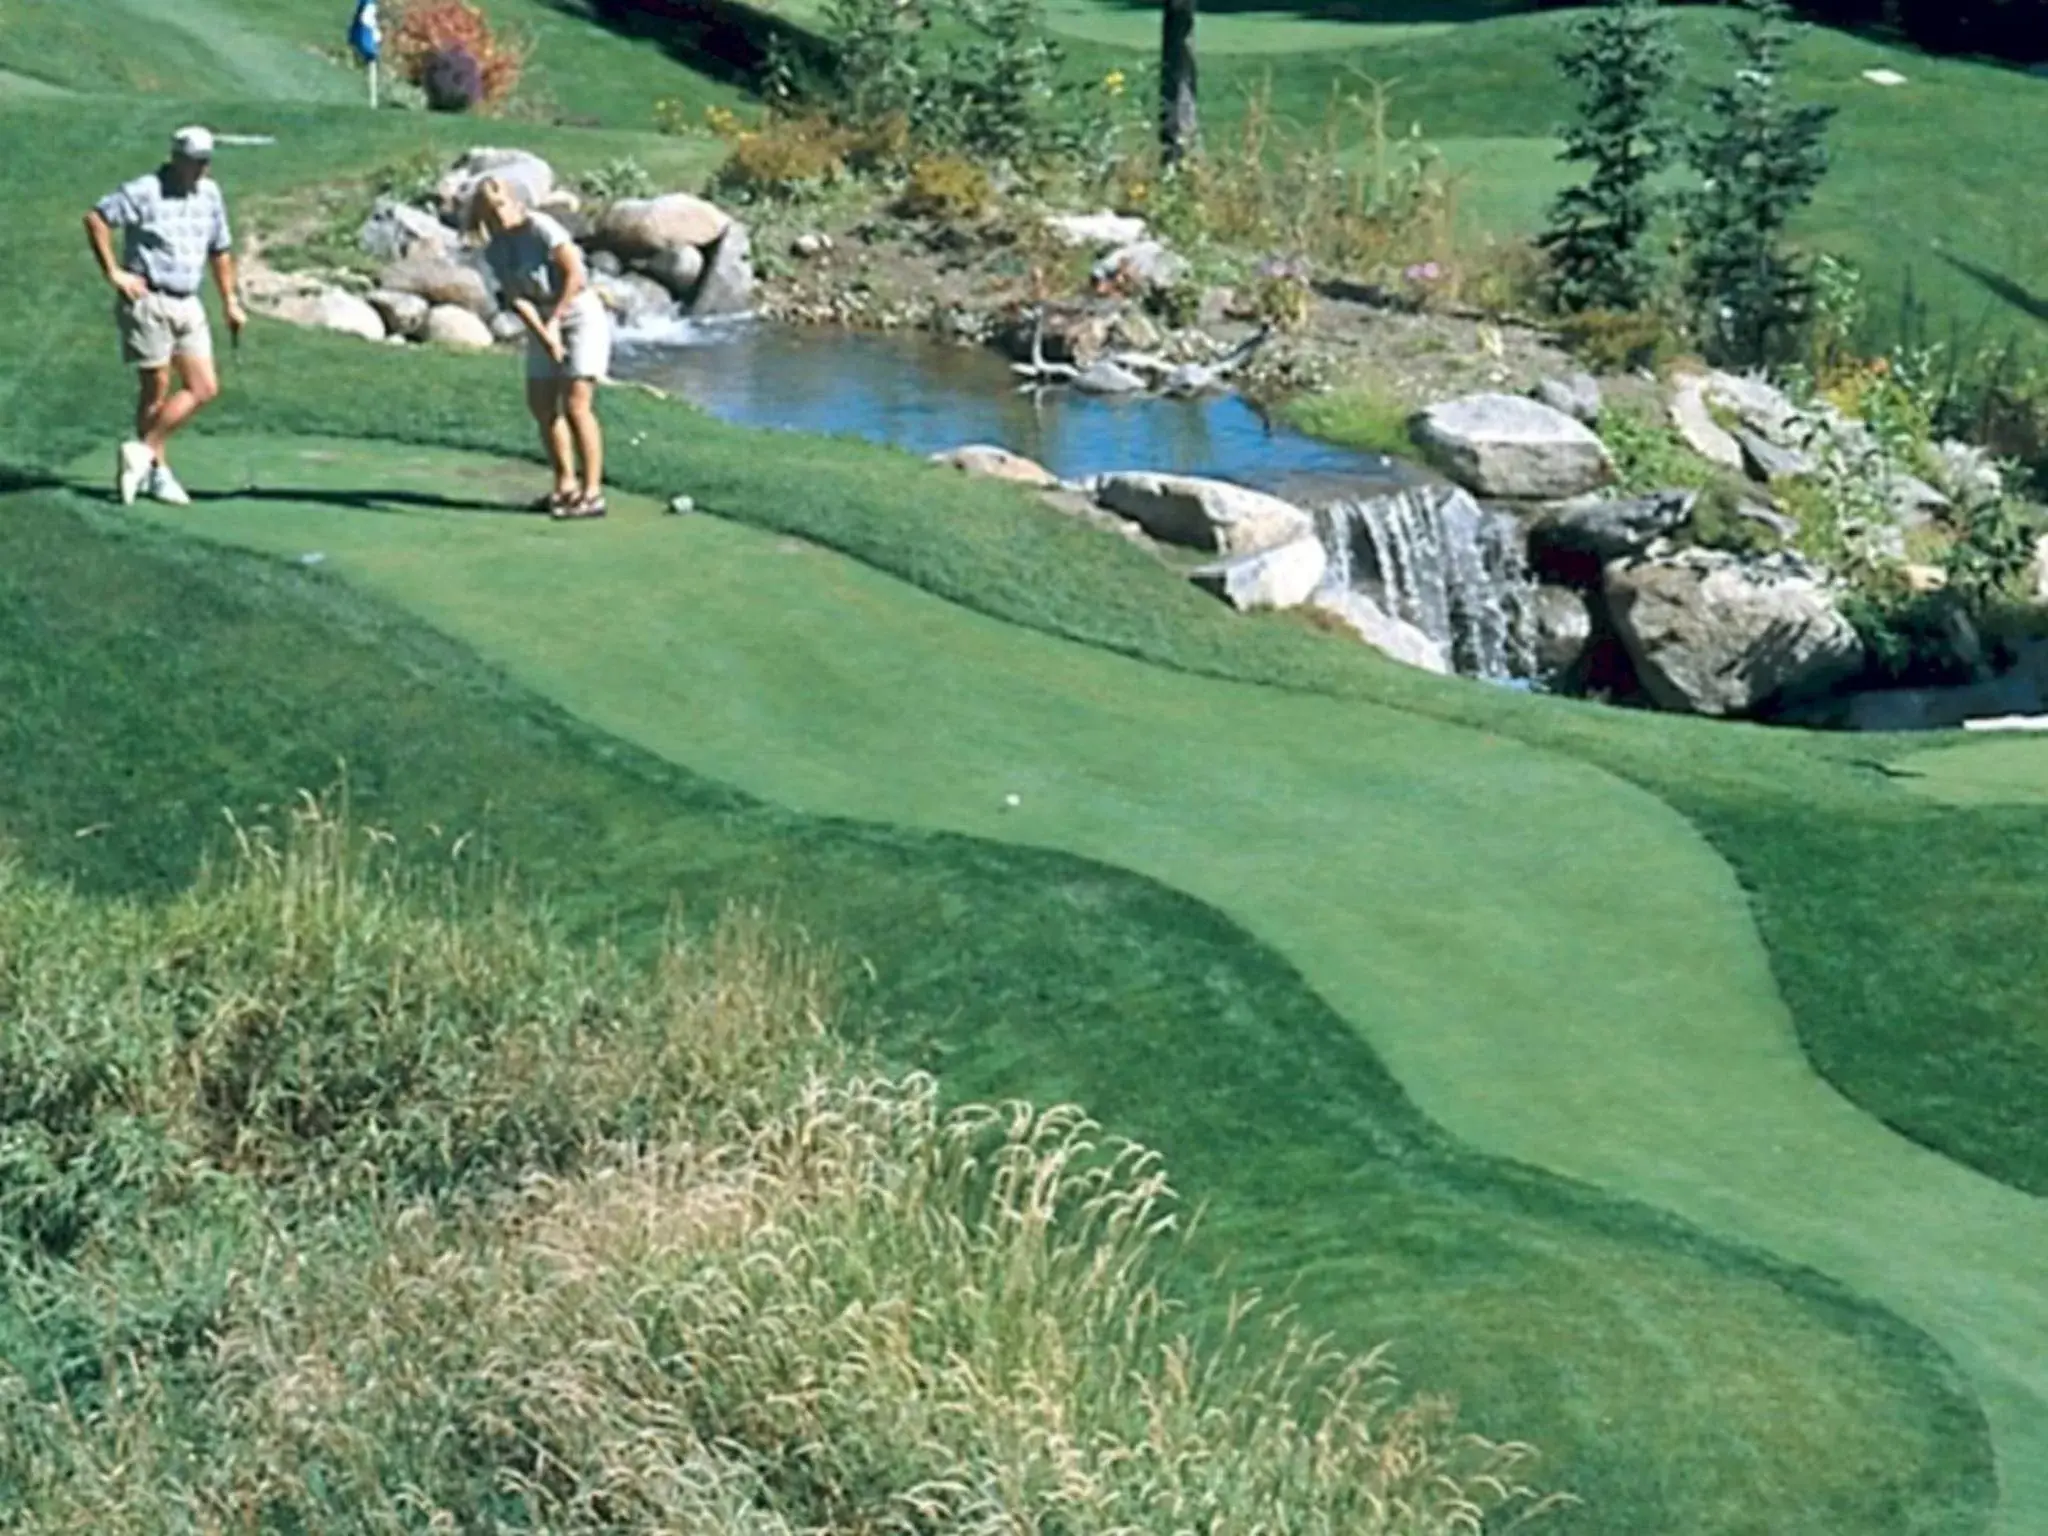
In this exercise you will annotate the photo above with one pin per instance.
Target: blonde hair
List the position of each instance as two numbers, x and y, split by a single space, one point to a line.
473 211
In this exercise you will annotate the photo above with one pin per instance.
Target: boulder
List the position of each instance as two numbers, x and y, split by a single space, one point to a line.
506 326
1282 577
1606 528
678 271
640 227
1563 624
1140 267
1913 502
1063 333
450 325
727 287
810 245
404 314
526 173
1714 634
604 263
1203 514
1578 396
1100 230
330 309
1391 637
439 280
1697 427
1784 527
1506 445
396 230
634 300
994 463
1760 406
1105 376
1768 461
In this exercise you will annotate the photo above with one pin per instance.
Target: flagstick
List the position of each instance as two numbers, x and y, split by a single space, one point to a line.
373 85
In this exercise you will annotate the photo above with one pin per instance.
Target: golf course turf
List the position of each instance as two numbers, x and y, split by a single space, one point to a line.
1570 936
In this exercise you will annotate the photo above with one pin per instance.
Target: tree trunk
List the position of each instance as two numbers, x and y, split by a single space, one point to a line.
1176 80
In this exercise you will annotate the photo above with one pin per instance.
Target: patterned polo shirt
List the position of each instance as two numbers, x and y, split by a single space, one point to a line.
165 238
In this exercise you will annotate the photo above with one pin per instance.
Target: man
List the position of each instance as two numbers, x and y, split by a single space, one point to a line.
174 226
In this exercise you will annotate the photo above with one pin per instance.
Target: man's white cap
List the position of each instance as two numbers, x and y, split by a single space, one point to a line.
193 143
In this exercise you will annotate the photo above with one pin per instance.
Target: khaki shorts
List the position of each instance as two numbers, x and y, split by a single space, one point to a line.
586 337
158 326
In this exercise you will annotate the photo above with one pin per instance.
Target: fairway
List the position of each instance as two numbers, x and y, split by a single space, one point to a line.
1551 961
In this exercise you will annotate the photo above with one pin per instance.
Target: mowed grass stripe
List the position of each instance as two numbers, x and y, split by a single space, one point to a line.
1551 961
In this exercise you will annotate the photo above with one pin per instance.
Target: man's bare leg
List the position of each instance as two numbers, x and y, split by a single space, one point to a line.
201 386
153 388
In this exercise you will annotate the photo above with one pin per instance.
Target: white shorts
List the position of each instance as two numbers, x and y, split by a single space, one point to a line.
159 326
586 338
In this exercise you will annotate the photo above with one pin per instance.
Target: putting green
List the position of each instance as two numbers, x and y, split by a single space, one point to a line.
1555 965
2007 770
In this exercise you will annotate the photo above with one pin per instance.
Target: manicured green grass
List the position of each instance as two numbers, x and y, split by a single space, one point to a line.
1667 1380
1871 940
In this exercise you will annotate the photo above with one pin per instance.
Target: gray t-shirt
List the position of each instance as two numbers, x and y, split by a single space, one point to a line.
166 238
522 260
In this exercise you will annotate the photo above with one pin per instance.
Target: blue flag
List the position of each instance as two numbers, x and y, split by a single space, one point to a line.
363 35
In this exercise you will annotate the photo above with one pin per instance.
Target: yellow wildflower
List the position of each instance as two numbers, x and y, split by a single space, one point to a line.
1113 82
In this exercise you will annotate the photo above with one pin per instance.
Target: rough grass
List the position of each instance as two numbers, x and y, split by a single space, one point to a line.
500 1229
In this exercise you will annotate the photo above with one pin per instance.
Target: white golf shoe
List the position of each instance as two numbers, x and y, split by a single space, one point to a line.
163 486
132 470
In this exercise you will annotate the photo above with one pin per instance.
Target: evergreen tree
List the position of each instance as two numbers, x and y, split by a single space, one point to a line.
1623 61
1759 159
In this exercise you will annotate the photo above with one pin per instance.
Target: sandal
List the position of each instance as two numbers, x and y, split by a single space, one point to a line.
579 506
552 503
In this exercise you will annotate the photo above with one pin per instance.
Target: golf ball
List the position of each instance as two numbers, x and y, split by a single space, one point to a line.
1013 800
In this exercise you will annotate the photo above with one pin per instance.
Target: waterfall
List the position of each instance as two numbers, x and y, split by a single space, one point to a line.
1455 570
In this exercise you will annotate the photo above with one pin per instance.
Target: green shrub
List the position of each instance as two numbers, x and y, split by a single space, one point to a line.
1624 62
617 178
1621 341
1759 159
946 187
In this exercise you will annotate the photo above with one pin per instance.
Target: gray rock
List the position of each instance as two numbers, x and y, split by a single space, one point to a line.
395 230
404 314
1697 427
993 463
1101 230
439 280
506 326
1564 628
634 300
1757 404
1578 396
1107 377
678 271
1141 266
1968 474
811 245
1203 514
330 309
450 325
1714 634
1391 637
526 173
728 284
605 263
1282 577
1784 527
1608 528
1505 445
1914 503
1768 461
640 227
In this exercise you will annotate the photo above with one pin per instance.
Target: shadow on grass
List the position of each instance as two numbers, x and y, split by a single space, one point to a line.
13 479
368 501
2000 286
723 39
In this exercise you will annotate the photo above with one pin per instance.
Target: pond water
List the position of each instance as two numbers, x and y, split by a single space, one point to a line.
927 395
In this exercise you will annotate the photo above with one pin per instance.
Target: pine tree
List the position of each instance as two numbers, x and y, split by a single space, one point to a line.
1759 159
1623 61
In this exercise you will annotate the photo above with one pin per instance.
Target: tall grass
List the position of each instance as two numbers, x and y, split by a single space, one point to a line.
340 1199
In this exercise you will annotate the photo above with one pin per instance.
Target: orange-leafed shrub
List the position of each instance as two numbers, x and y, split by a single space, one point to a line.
429 27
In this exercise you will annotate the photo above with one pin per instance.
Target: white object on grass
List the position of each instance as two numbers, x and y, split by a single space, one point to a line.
1884 77
312 557
2008 723
1013 801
